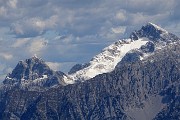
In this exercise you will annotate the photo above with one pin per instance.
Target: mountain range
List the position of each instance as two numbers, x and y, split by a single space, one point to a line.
132 79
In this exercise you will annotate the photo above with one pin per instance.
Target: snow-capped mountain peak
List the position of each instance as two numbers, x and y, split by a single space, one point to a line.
107 59
141 44
156 27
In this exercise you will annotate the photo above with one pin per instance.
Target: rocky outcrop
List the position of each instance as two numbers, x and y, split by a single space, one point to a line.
33 74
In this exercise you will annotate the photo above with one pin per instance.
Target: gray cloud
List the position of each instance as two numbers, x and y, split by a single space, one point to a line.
82 17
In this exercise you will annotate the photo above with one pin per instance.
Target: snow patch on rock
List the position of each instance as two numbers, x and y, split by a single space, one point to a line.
107 60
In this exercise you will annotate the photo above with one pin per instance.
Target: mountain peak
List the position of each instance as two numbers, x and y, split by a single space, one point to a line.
36 58
141 44
154 33
155 27
34 73
30 69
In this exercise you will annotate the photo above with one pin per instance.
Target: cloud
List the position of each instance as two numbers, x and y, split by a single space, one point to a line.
12 3
4 70
120 16
33 26
64 66
119 29
148 7
6 56
2 11
54 65
20 42
33 18
37 45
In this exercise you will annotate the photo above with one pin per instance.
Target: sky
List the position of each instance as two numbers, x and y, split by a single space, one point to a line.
66 32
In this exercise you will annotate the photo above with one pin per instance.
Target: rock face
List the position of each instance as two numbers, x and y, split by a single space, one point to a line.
33 73
144 85
77 67
172 111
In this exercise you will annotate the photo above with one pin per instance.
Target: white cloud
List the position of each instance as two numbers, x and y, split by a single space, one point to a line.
63 66
20 42
12 3
121 16
5 69
37 45
6 56
33 26
54 65
3 11
34 18
119 30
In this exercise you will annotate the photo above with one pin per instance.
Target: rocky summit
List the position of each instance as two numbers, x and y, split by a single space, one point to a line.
33 74
141 44
137 78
